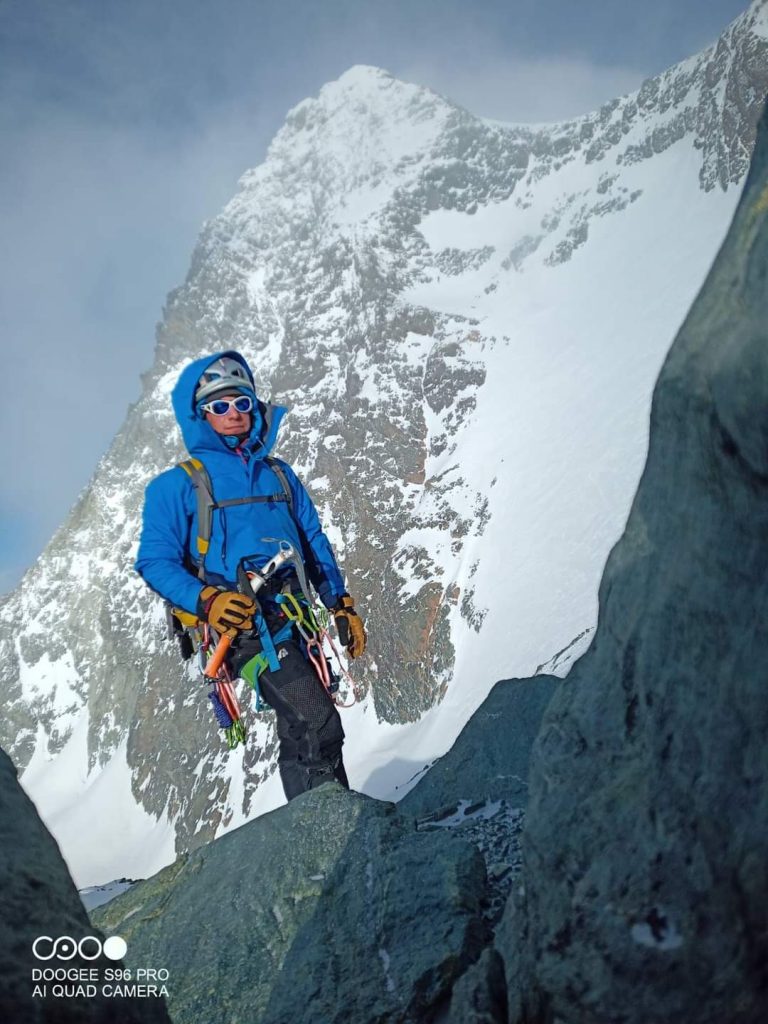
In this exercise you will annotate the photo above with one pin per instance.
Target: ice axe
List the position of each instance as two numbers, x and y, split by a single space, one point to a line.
249 582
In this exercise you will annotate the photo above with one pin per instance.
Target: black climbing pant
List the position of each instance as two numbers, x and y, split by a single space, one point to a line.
308 724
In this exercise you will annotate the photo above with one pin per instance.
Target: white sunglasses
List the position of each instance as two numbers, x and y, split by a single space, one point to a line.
221 406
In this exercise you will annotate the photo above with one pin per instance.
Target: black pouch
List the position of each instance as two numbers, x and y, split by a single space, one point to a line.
244 647
177 631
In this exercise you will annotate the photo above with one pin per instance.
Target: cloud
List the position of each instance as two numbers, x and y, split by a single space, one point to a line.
99 224
525 89
526 62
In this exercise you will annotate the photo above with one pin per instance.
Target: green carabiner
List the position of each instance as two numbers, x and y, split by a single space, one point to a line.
298 619
235 734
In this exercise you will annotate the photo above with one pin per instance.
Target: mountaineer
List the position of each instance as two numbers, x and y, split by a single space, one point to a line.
212 523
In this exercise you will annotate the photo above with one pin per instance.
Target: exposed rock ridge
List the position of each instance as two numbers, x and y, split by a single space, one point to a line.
346 909
644 882
310 916
38 898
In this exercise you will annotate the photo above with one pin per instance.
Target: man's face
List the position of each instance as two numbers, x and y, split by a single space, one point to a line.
232 422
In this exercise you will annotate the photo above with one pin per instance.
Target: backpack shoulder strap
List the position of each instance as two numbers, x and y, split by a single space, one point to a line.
201 482
279 472
206 503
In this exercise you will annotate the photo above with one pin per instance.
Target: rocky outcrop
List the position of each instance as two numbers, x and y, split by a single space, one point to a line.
644 888
489 760
343 908
310 913
480 995
37 898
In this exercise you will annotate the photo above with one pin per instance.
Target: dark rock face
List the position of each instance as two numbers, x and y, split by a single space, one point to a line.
39 898
646 840
478 791
330 909
489 760
480 995
338 907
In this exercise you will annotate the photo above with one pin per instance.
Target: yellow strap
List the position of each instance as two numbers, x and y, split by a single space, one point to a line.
187 619
191 461
202 543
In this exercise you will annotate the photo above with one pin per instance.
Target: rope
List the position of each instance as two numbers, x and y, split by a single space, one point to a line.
353 687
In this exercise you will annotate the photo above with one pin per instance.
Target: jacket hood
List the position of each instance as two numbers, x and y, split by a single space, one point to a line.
199 436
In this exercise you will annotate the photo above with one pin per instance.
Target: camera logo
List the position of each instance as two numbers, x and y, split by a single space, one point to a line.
90 947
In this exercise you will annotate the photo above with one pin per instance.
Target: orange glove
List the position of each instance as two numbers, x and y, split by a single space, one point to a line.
350 626
226 610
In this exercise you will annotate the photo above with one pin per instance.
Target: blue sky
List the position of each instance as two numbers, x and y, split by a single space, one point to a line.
126 124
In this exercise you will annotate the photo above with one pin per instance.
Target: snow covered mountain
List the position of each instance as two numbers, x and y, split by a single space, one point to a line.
467 319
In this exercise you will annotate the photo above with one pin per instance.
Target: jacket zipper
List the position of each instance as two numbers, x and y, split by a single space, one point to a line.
222 512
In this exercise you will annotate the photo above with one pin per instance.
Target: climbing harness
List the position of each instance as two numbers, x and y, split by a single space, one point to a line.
213 664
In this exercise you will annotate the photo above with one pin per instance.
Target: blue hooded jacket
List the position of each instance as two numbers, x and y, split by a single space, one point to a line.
167 549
